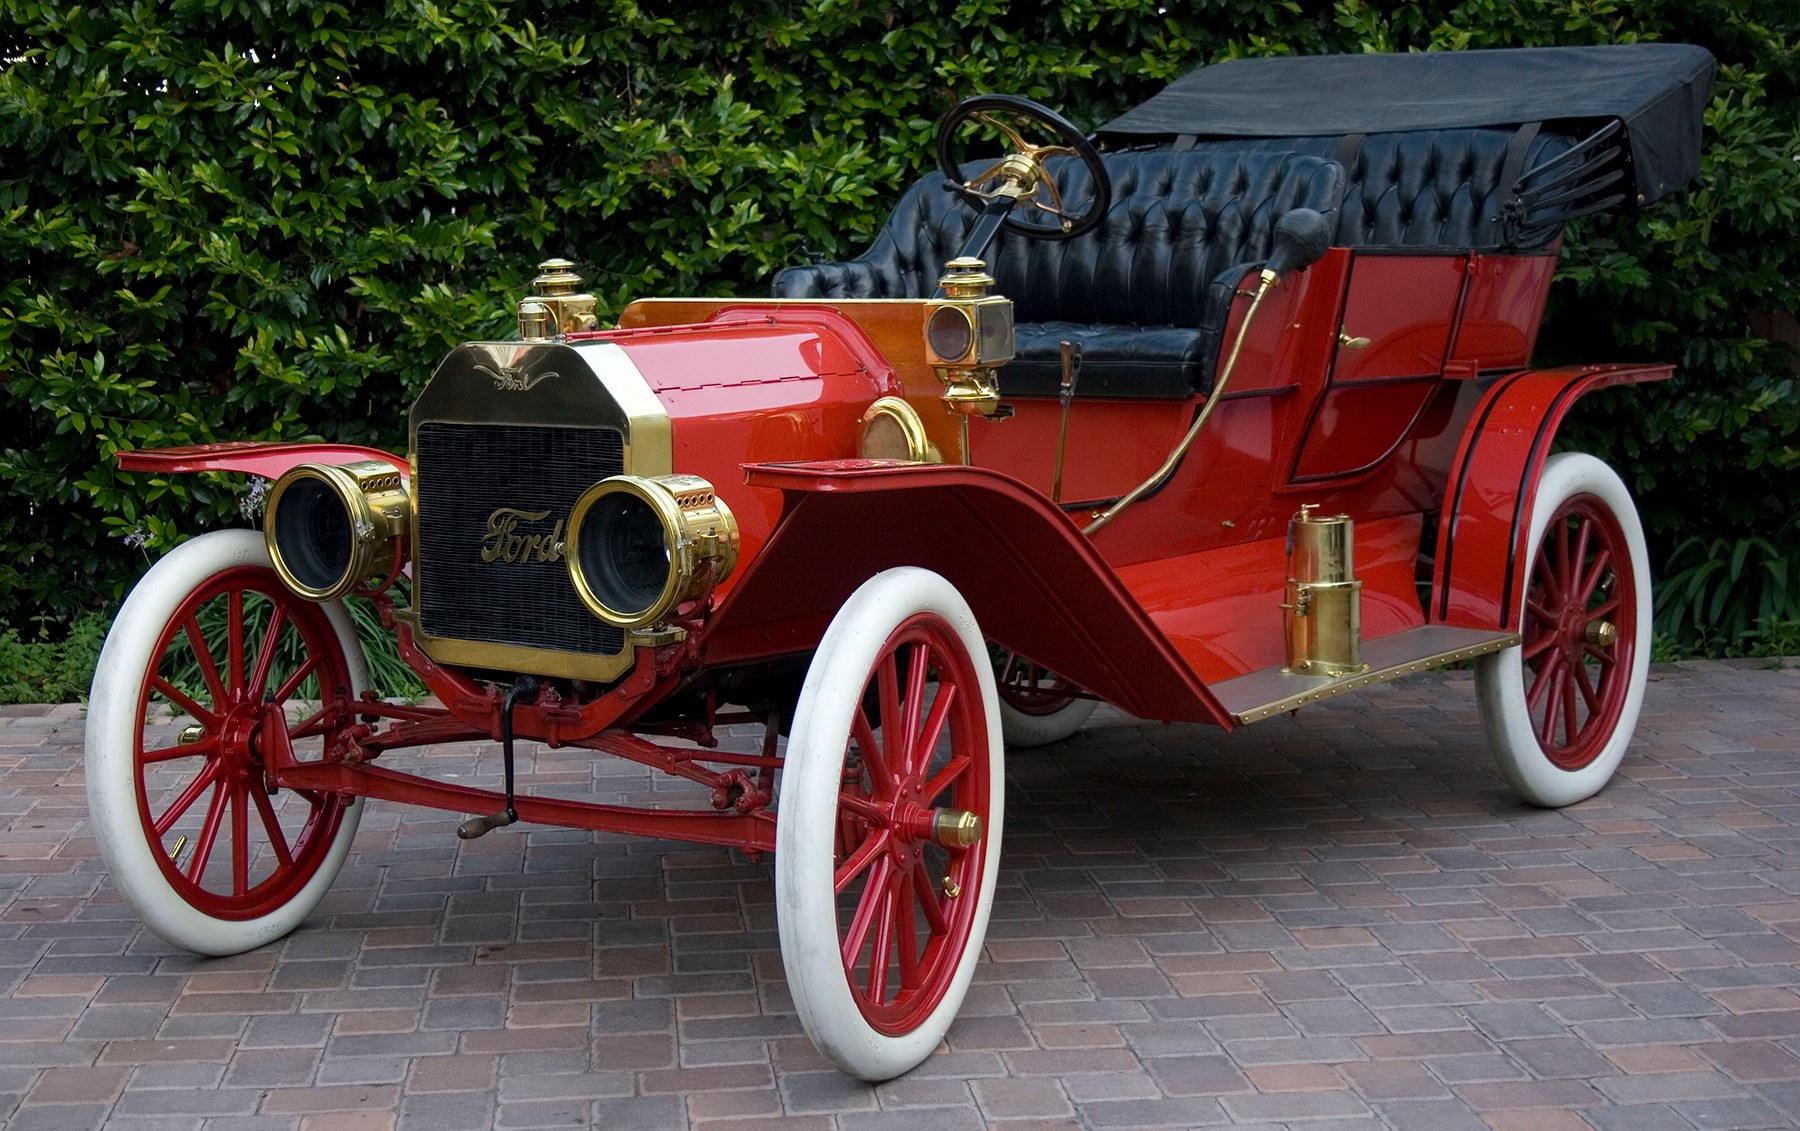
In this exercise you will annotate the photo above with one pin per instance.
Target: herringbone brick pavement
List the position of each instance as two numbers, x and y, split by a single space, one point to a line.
1340 918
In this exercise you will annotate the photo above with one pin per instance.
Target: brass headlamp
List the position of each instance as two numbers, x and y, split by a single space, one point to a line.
638 547
331 527
968 333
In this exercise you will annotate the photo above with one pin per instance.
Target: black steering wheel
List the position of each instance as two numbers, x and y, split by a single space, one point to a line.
1018 186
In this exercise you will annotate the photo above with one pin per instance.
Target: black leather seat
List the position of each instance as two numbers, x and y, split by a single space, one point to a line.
1145 293
1442 190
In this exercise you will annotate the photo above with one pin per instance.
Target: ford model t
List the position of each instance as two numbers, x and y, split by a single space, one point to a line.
1218 413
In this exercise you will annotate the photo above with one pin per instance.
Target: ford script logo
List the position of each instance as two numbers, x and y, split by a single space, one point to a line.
504 542
510 380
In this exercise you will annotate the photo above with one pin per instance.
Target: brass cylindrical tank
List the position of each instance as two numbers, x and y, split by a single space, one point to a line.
1324 598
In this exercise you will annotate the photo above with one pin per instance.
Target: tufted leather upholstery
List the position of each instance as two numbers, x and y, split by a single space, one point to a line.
1440 189
1143 292
1147 292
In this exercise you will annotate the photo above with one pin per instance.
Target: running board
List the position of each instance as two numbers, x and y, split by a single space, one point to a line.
1260 695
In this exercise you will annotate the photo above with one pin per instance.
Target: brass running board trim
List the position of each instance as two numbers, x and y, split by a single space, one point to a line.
1263 694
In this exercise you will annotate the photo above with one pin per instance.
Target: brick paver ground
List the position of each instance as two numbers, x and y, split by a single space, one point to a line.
1340 918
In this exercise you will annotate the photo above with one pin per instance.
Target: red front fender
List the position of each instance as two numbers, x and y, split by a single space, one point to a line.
1036 585
1478 581
268 459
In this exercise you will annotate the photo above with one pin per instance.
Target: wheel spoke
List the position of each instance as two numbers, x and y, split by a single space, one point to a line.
209 670
1602 561
859 860
1571 725
1564 567
864 808
1012 135
928 901
1577 558
181 699
240 839
1540 610
887 679
1536 646
191 794
1552 709
209 832
858 932
1056 204
293 682
942 780
882 948
1588 694
1546 675
208 746
906 937
265 655
879 778
316 723
934 726
984 175
272 826
917 668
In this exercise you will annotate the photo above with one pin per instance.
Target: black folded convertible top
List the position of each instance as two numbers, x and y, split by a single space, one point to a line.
1656 90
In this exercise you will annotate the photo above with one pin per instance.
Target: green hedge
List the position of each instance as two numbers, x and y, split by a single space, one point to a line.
270 219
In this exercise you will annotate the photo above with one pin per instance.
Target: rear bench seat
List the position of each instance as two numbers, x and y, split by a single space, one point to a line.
1148 291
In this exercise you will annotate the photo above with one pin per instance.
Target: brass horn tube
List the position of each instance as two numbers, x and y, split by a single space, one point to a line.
1268 281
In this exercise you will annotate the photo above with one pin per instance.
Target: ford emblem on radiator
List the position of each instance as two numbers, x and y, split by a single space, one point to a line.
510 380
504 542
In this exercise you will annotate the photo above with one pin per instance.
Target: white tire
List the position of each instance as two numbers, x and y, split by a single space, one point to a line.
881 922
1561 706
1037 707
189 829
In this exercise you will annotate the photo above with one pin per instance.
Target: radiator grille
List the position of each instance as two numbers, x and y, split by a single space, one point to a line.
468 471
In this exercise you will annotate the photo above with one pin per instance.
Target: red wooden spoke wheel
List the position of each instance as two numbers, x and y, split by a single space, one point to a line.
887 840
1560 707
1578 632
1037 706
909 790
212 669
1030 689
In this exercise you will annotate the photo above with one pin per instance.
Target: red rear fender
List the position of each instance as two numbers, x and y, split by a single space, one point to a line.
1493 482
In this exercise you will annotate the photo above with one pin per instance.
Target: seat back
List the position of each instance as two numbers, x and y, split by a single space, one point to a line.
1177 220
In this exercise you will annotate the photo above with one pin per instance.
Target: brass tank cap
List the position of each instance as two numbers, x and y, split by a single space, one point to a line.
557 277
965 277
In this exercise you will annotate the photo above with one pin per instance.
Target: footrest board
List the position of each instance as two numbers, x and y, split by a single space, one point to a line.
1272 691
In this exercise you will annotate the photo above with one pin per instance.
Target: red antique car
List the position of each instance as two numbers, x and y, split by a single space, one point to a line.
1221 412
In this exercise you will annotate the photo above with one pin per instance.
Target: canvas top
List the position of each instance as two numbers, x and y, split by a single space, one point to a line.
1656 90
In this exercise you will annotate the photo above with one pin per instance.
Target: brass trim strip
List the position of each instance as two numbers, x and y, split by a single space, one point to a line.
1313 689
599 667
649 434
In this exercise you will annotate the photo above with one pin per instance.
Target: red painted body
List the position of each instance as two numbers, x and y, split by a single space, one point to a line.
1434 420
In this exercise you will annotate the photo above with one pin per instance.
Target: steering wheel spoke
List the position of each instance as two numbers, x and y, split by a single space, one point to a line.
1021 176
